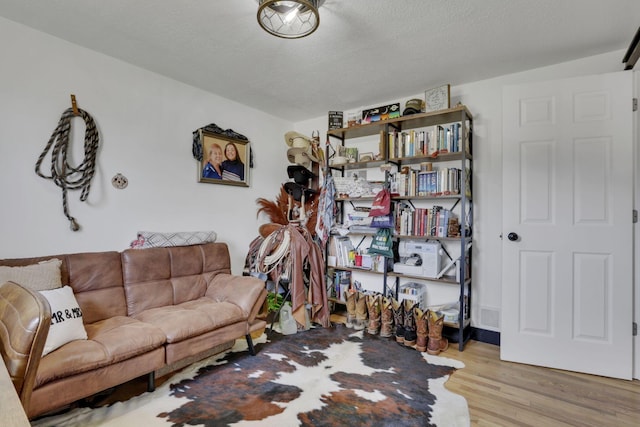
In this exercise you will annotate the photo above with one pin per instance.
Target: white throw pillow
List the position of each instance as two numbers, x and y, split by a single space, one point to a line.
38 277
66 319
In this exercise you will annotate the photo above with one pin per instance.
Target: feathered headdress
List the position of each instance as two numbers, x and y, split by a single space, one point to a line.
280 211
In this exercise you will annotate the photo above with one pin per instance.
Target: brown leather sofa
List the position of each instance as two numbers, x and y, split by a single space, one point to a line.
144 311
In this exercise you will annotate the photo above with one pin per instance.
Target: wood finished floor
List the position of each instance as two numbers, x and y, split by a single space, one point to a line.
511 394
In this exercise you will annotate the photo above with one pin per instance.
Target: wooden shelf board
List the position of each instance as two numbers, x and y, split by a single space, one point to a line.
405 122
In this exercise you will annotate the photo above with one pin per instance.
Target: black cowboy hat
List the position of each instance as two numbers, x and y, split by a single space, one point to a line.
297 190
300 174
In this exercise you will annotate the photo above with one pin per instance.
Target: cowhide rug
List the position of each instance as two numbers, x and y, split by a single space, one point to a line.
321 377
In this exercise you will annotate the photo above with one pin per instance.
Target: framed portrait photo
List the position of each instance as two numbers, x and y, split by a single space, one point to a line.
224 161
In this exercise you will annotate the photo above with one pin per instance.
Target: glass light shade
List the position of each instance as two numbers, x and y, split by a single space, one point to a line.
290 19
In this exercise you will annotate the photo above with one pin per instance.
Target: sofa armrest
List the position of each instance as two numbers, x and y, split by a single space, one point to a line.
25 316
246 292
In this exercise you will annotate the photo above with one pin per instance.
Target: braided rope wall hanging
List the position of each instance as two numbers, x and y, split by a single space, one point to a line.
64 175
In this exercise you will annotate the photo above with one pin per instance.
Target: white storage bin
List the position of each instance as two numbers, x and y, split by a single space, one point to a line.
416 292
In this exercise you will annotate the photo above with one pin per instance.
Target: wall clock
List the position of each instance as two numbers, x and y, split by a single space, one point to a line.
437 98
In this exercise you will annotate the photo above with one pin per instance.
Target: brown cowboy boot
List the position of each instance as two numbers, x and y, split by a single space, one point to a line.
398 319
436 342
386 330
374 310
361 311
422 329
409 323
350 297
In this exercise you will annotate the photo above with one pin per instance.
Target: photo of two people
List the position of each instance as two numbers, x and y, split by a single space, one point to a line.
224 160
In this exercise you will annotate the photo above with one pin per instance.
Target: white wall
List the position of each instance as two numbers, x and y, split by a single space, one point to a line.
145 122
484 100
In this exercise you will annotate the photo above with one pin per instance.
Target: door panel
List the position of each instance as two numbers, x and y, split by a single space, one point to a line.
592 297
592 169
536 293
567 193
537 176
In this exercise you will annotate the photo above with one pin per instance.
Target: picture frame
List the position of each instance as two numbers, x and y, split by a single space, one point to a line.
437 98
217 165
365 157
350 153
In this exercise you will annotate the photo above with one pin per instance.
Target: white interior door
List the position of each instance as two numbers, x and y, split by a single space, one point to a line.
567 224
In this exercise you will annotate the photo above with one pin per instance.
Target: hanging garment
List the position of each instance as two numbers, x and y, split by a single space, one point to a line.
326 209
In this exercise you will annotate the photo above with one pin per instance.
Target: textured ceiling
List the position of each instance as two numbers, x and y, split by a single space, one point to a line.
364 52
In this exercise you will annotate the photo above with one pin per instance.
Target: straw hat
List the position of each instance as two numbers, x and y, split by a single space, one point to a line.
301 151
297 140
301 156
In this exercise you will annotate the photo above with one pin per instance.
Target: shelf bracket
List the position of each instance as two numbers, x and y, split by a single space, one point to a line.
360 242
441 247
446 253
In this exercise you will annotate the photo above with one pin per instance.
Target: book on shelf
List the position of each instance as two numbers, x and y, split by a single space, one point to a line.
391 144
428 222
344 251
442 223
429 141
467 183
432 182
438 182
341 282
433 220
362 229
358 217
423 183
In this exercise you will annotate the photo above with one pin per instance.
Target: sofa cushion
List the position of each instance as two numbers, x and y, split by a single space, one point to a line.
38 277
159 277
96 279
66 319
219 313
192 318
109 341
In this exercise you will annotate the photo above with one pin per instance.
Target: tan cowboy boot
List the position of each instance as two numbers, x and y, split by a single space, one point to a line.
373 307
422 329
409 323
361 311
398 319
386 330
436 342
350 297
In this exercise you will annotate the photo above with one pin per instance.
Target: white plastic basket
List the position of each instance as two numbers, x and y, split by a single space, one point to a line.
344 185
416 292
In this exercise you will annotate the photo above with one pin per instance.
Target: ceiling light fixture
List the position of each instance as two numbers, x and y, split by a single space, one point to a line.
289 19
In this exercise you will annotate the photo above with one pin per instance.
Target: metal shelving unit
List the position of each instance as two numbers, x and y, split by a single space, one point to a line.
463 200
